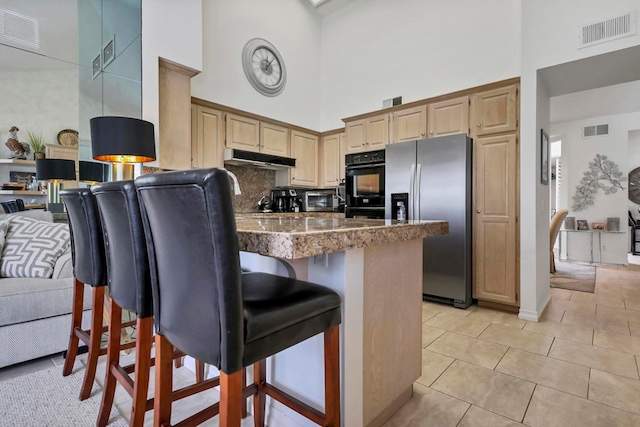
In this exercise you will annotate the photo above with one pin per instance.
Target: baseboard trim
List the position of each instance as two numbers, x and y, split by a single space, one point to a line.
534 316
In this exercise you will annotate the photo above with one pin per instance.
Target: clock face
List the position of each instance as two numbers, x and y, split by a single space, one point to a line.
264 67
634 185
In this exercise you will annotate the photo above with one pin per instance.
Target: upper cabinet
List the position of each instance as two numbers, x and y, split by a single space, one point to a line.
494 111
243 133
449 117
304 148
367 134
274 139
409 124
207 137
331 153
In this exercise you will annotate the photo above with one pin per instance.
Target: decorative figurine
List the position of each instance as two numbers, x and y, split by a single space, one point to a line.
18 149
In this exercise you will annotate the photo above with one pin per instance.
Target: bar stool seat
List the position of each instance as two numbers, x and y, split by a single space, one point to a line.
206 307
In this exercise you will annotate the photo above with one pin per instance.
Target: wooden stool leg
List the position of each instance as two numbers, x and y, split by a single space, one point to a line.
230 399
244 401
164 382
113 359
144 337
76 323
332 376
260 398
199 371
94 341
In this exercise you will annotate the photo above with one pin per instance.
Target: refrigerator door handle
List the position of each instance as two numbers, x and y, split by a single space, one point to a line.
411 184
418 179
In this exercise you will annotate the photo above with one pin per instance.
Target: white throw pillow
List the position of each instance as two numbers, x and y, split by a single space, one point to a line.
32 247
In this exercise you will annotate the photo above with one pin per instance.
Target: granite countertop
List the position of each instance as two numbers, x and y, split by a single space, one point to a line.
291 237
293 214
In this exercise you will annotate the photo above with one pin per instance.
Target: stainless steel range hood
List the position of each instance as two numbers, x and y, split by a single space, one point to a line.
260 160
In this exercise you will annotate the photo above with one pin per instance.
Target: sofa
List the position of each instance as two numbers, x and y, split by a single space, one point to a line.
35 313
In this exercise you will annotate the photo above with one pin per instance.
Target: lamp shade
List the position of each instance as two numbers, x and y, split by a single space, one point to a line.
93 171
122 140
55 169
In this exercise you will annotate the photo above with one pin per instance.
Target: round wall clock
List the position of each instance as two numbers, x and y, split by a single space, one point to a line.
634 185
264 67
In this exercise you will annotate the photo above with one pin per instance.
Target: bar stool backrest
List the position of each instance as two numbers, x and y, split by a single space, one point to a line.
195 266
125 246
87 245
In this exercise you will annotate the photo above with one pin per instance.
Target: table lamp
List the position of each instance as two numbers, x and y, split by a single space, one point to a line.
55 170
122 141
93 172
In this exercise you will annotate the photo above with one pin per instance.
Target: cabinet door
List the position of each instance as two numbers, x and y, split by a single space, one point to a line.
409 124
494 230
377 132
243 133
274 139
210 136
449 117
343 151
54 151
330 161
355 137
495 111
304 148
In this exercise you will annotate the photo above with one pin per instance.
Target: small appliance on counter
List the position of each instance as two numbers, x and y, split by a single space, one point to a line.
264 205
320 201
285 200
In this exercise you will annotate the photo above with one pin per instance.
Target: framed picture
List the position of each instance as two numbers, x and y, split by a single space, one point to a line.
583 224
21 177
544 157
599 226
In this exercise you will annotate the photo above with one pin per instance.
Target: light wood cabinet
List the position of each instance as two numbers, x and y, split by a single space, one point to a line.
274 139
304 148
367 134
243 133
449 117
409 124
494 111
56 151
495 219
330 161
343 151
207 137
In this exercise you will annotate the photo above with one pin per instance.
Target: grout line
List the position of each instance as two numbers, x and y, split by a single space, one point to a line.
593 336
524 415
562 317
549 351
589 382
505 353
637 367
465 413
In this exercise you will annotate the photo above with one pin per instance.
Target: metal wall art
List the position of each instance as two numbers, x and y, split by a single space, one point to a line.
602 173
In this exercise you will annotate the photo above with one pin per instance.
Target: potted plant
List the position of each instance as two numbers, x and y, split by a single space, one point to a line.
36 142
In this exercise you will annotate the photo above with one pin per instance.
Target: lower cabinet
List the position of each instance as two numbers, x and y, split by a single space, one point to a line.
495 232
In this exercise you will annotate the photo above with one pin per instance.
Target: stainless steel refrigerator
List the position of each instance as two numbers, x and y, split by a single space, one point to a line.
430 179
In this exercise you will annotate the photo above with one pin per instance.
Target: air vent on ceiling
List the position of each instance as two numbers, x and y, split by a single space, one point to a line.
19 29
595 130
608 29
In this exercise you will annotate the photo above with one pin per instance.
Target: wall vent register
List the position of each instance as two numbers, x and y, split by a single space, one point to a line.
607 29
19 29
595 130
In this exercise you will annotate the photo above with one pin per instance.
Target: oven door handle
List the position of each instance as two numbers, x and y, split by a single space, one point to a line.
368 165
411 191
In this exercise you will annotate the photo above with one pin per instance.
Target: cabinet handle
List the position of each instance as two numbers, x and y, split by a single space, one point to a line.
478 210
478 124
364 143
293 178
423 133
431 132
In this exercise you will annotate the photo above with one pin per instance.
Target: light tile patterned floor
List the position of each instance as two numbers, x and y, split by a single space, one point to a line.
577 367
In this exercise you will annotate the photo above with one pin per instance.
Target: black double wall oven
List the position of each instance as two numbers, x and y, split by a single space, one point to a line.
364 176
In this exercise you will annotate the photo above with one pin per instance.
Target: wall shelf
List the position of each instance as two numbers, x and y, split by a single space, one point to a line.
17 162
21 192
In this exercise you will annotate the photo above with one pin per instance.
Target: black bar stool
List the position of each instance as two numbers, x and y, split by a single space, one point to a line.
204 305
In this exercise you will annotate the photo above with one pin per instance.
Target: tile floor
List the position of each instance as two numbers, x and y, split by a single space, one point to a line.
577 367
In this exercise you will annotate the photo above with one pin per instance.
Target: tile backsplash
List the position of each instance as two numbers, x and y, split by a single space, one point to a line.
254 183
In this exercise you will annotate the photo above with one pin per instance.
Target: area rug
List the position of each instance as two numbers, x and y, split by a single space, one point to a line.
575 277
46 398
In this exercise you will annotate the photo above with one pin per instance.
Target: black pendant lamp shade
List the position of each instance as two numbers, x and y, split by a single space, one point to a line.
55 169
93 171
122 140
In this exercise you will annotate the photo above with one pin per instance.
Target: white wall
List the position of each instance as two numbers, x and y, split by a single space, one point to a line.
577 152
378 49
291 27
549 37
171 30
38 101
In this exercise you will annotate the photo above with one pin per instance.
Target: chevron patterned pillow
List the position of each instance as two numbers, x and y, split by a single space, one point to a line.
32 247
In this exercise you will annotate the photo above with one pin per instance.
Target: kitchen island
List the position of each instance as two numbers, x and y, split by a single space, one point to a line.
376 266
